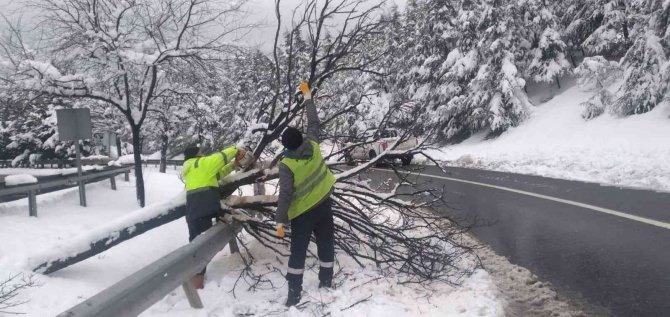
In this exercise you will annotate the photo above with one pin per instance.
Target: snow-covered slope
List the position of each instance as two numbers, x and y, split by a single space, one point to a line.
556 142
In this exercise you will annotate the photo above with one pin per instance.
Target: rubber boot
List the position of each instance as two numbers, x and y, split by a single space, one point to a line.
293 296
294 289
326 277
198 281
326 284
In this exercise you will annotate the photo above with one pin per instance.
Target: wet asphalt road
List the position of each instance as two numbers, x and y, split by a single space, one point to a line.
617 265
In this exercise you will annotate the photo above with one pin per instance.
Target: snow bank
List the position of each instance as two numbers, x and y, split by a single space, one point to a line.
62 220
109 230
358 292
125 159
19 179
557 142
95 157
48 171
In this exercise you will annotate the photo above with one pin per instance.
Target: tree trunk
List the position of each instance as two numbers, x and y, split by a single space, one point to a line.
558 82
137 155
572 59
164 148
118 146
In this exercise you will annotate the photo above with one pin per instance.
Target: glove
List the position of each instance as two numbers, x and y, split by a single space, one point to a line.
280 230
306 91
238 157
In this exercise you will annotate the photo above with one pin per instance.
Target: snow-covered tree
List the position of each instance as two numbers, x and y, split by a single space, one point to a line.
645 76
596 73
119 52
549 60
597 104
646 64
496 99
611 38
597 27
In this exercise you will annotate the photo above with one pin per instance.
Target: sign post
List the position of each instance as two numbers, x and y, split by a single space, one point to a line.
75 125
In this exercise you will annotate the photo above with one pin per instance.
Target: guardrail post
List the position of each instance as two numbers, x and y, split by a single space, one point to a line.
112 181
126 176
192 295
234 248
32 204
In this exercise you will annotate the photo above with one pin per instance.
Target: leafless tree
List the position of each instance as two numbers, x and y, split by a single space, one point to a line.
120 52
392 224
10 288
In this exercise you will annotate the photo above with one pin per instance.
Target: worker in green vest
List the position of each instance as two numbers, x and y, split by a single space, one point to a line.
304 199
201 176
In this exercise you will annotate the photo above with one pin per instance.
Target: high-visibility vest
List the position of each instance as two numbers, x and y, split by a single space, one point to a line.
205 172
312 181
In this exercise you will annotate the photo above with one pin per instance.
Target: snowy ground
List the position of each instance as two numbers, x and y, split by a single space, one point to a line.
360 291
557 142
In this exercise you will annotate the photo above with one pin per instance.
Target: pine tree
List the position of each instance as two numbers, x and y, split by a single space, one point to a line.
646 66
497 100
549 60
598 27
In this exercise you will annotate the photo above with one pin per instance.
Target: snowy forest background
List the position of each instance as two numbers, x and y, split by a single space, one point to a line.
448 69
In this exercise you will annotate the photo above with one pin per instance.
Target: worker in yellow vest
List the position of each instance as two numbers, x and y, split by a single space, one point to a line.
201 176
304 199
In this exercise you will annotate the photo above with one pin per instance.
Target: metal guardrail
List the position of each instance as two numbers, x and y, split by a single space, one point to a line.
137 292
173 163
64 163
56 162
33 189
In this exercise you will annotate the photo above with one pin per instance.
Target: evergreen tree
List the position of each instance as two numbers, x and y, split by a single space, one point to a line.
646 66
496 100
549 60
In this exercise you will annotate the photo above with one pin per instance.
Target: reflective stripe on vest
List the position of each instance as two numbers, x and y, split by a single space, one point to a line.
312 181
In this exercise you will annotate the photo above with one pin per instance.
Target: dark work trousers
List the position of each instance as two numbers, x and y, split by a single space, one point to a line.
319 220
201 208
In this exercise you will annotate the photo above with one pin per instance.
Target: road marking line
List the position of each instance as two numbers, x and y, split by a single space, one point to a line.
612 212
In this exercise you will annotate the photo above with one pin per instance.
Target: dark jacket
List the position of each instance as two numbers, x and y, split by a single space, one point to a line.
304 151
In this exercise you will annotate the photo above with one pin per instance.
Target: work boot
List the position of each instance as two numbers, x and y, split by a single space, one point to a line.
198 281
293 296
326 284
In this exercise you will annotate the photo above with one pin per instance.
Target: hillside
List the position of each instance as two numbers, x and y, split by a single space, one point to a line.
556 142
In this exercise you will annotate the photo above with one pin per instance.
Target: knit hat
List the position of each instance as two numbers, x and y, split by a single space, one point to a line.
291 138
191 152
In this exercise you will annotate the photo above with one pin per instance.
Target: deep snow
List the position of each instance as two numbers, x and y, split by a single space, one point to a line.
556 142
62 219
26 240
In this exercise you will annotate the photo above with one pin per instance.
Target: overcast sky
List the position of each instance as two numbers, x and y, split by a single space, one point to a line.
260 11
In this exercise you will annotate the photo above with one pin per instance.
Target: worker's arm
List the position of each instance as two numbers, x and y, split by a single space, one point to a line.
215 162
313 124
229 157
285 193
185 169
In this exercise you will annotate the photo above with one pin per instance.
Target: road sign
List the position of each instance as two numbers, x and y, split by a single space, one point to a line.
74 124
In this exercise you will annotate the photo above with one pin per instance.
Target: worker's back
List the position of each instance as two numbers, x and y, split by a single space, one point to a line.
201 177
